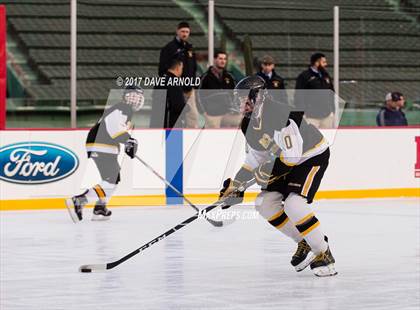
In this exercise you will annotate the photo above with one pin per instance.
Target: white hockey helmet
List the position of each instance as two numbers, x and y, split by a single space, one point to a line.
134 96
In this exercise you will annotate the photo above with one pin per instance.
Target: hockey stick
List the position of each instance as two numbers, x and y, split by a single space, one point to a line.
104 267
213 222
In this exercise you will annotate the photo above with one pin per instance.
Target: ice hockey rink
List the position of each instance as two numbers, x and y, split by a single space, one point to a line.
245 265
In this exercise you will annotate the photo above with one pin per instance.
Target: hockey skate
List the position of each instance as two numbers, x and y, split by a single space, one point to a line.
302 257
323 264
75 206
101 212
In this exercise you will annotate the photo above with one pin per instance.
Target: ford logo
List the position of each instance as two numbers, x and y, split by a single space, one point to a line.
36 163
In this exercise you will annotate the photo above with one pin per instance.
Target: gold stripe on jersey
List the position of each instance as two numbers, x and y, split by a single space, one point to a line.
99 191
309 179
101 145
316 146
307 226
284 161
118 134
259 125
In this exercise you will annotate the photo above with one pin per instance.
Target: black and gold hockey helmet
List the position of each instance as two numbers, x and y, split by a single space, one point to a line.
249 92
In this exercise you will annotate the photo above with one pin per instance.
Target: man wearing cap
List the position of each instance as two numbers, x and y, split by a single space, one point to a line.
318 105
391 114
181 49
267 72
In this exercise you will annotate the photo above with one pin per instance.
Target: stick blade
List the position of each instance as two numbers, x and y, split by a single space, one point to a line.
93 268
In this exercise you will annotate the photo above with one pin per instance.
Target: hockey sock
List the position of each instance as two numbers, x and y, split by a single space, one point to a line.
270 206
102 192
300 213
289 229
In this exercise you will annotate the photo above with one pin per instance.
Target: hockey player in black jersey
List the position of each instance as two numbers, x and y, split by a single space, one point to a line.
103 146
288 158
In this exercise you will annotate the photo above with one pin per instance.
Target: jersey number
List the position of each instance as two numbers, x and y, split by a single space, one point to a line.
288 142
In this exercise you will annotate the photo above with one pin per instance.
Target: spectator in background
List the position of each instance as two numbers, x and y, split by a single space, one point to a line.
401 102
169 108
215 103
180 48
318 106
391 114
267 72
273 81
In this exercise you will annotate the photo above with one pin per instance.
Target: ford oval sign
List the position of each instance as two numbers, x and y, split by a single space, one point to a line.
36 163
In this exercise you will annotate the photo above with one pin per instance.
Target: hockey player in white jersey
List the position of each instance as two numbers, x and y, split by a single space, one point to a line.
103 146
288 158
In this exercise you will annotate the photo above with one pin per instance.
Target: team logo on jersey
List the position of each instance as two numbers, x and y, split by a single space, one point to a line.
36 163
265 141
417 164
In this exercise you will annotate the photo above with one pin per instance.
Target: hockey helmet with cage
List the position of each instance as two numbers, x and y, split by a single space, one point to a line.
134 96
248 93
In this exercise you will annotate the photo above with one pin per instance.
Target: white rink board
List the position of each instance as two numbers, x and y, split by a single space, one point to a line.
137 180
371 159
360 159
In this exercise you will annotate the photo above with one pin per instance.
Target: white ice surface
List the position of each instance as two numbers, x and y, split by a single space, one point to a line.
242 266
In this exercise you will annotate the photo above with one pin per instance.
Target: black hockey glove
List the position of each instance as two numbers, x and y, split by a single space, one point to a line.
230 193
131 146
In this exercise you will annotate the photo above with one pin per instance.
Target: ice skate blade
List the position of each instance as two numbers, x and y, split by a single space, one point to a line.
325 271
70 208
100 218
306 262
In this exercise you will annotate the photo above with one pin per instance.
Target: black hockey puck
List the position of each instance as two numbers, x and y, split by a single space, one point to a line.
85 270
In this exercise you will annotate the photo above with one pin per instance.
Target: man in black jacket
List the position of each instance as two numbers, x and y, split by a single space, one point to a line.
267 72
273 81
180 48
169 107
391 114
216 94
318 105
